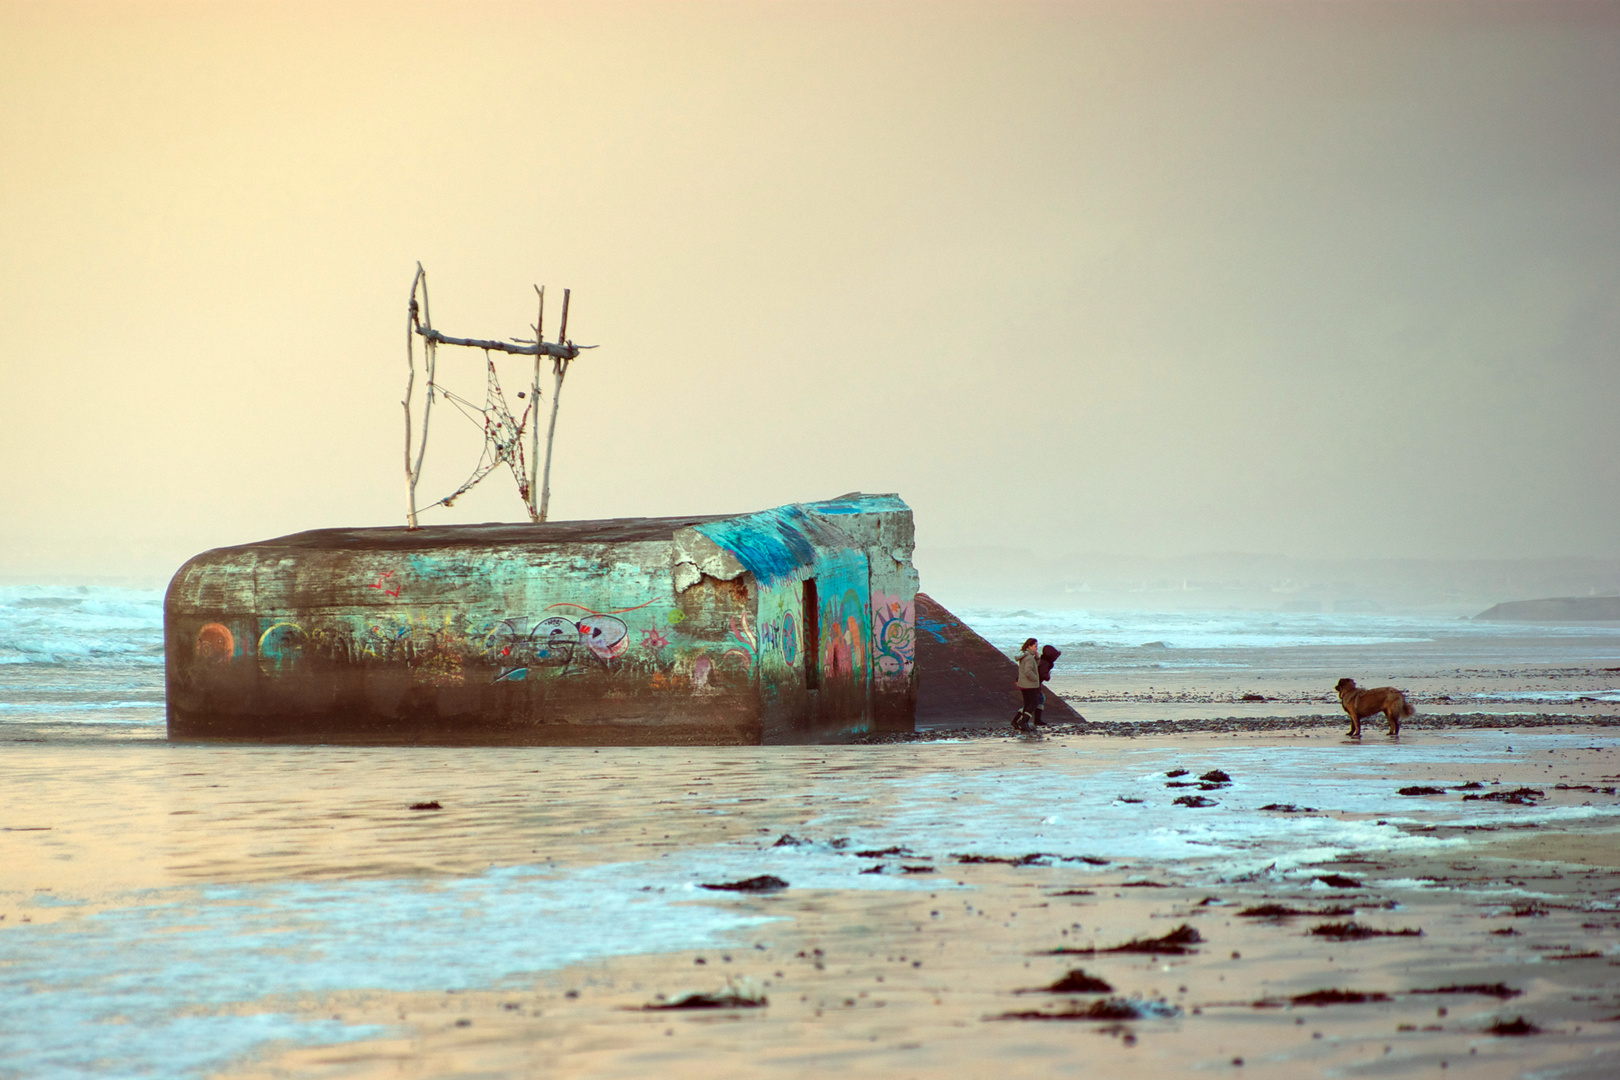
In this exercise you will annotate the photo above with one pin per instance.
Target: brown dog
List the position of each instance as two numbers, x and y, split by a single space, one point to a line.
1361 704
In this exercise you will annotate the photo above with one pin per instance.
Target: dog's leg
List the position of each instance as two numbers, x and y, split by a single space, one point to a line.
1355 723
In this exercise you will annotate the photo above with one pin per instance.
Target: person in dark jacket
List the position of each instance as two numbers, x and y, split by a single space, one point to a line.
1049 657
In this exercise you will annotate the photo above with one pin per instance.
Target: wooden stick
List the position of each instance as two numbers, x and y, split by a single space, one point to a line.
534 407
560 367
410 388
430 365
561 352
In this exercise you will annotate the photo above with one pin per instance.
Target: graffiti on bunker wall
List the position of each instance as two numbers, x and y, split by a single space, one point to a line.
781 634
779 625
843 637
746 647
894 636
215 643
570 640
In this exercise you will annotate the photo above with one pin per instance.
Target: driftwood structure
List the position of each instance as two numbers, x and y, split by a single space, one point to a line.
504 431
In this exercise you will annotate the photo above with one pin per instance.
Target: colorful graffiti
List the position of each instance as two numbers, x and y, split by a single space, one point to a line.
781 634
747 645
556 644
382 584
281 646
843 637
700 676
933 627
894 636
568 640
215 643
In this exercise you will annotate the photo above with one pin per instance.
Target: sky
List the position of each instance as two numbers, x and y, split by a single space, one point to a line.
1322 280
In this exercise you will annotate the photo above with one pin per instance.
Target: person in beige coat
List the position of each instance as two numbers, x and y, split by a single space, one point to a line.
1029 684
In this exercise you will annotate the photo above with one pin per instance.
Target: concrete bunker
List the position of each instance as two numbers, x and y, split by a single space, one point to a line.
626 631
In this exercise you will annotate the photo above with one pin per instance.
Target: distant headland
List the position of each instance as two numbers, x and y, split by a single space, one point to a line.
1557 609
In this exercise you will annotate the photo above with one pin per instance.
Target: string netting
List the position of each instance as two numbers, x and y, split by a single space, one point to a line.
503 433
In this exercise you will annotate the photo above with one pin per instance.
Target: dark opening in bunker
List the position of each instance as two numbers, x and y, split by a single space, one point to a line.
812 636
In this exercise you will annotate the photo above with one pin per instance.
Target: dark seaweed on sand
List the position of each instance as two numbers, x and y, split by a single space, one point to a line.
1075 982
1194 801
725 999
763 883
1354 931
426 806
1032 859
789 840
1107 1009
1176 772
1339 881
1523 796
1496 990
1216 776
1420 789
1283 911
1289 808
1337 997
1521 1026
883 852
1176 943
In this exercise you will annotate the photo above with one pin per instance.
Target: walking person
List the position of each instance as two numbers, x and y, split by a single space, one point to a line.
1029 685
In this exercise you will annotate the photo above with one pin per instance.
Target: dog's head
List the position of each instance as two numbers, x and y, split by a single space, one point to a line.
1345 685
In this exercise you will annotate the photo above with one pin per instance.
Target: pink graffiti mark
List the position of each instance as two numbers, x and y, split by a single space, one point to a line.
742 635
593 611
652 640
381 583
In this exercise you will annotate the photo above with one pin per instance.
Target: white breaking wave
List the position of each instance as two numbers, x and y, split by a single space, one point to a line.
42 624
1150 630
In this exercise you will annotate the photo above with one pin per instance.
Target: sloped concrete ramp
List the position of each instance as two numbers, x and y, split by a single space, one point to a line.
964 681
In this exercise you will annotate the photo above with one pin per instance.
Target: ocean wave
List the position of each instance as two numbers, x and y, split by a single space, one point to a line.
80 624
1145 632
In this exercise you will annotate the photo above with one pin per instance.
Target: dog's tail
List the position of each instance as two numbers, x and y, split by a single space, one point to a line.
1406 707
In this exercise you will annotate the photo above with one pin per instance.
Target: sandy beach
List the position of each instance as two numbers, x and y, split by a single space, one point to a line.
184 910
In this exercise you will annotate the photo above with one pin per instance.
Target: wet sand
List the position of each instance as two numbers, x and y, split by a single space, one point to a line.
283 912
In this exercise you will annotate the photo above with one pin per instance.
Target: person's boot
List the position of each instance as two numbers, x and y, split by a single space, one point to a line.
1038 721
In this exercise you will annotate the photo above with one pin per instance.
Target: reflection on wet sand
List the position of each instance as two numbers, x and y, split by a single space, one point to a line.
260 911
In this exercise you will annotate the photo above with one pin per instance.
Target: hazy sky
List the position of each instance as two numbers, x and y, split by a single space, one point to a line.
1319 279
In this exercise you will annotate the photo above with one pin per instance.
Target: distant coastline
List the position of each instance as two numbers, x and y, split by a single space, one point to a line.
1556 609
